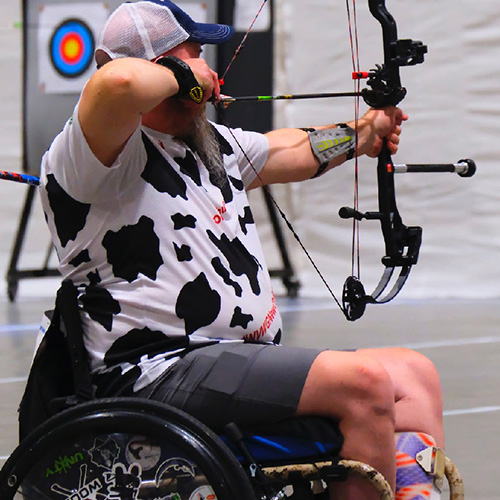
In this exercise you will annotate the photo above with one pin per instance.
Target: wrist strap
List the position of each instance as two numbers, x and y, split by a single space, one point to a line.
188 85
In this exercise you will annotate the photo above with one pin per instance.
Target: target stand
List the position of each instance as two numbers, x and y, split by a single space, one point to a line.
59 38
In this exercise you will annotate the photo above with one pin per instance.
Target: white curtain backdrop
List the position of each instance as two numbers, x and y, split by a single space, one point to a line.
454 106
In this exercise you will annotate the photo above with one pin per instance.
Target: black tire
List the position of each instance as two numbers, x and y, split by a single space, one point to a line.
123 449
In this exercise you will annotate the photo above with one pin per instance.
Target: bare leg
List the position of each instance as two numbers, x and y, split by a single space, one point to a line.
417 391
356 390
372 393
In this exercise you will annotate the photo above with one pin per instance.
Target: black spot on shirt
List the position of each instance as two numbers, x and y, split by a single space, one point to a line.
94 277
240 260
135 344
246 219
223 185
224 274
181 221
82 257
160 174
189 167
183 253
224 146
198 304
240 319
70 215
100 305
237 183
134 249
277 337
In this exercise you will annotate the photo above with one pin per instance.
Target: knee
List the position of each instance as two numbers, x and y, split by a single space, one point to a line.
421 370
372 386
368 390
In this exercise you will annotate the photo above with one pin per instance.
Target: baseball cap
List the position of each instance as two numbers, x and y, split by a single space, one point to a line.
149 28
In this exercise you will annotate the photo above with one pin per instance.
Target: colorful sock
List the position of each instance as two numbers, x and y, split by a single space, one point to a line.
412 482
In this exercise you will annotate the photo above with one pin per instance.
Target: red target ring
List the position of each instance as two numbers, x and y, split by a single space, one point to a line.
72 48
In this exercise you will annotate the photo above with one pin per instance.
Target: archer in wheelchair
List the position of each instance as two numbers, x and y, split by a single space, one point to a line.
162 371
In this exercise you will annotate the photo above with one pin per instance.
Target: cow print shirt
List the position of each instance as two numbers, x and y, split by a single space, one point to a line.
165 260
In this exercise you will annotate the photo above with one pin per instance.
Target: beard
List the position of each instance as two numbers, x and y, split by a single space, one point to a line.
203 140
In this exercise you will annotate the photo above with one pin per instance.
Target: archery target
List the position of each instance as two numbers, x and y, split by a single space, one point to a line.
71 48
67 35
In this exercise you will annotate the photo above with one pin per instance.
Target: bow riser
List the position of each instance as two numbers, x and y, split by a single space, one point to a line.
402 243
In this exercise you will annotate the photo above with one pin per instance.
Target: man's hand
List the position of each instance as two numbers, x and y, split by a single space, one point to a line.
206 77
377 125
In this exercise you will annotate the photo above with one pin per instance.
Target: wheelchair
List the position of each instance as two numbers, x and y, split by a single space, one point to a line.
125 448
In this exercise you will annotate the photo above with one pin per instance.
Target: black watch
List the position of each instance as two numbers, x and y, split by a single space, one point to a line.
188 85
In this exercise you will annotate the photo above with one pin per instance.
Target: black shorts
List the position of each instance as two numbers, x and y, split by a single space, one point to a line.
246 383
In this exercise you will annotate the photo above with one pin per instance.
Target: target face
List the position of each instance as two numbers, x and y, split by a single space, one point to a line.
72 48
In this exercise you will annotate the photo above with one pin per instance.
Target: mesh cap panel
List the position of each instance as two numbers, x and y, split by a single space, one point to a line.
144 30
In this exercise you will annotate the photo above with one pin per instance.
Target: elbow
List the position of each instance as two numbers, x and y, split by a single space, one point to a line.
116 79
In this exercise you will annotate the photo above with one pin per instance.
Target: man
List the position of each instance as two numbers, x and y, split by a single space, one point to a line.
146 203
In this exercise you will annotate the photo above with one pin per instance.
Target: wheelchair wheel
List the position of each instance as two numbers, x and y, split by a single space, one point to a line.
123 449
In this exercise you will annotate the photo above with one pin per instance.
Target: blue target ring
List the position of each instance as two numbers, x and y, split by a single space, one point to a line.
72 48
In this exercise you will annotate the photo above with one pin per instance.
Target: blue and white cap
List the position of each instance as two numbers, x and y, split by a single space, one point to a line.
147 29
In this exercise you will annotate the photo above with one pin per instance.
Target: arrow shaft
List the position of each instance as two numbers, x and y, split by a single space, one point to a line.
16 177
325 95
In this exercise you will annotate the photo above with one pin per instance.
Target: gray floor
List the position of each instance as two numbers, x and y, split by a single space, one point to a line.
461 337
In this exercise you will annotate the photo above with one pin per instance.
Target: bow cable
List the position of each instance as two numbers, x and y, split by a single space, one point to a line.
264 186
352 22
242 43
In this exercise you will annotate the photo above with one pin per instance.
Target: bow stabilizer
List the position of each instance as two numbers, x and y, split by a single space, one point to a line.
402 243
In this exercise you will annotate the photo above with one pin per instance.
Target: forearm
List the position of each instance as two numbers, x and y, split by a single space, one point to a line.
114 100
128 88
291 158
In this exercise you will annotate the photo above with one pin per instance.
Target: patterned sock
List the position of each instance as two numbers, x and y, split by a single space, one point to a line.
412 482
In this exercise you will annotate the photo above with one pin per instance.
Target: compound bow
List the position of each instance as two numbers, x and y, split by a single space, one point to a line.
402 243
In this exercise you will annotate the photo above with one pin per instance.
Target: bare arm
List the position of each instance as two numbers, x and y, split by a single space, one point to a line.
114 100
120 93
291 158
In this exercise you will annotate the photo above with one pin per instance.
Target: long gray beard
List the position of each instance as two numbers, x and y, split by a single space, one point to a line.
204 141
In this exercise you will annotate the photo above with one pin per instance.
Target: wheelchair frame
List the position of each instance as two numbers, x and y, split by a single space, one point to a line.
246 477
202 461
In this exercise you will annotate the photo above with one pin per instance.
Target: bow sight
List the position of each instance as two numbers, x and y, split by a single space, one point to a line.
385 81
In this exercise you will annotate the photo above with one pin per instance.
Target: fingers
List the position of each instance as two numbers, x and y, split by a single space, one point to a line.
206 77
399 116
393 136
216 87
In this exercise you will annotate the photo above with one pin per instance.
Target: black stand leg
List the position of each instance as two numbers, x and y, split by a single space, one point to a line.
13 273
